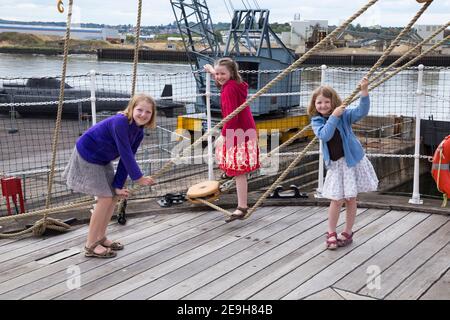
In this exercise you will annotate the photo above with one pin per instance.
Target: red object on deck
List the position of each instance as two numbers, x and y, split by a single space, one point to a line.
12 187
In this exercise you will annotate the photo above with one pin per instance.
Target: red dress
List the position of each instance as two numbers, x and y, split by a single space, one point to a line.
237 149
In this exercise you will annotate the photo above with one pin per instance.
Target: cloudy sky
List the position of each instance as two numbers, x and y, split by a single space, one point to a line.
155 12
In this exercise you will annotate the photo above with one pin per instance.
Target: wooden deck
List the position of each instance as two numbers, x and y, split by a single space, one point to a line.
278 253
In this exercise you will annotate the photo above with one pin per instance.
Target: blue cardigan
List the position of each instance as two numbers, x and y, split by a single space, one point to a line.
324 129
111 138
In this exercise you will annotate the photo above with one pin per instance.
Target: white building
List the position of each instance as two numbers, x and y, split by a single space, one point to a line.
424 31
301 31
75 33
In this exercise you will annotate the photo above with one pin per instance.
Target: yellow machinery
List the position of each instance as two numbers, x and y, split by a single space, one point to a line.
286 126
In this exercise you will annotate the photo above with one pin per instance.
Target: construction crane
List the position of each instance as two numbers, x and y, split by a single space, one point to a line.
196 29
254 46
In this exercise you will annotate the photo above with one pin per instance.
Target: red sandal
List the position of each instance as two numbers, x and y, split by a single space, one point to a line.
345 239
331 244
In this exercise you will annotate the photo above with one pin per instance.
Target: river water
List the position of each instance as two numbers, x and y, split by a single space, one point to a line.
25 65
395 97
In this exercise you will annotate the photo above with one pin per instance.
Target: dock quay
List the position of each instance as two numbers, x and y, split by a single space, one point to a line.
315 59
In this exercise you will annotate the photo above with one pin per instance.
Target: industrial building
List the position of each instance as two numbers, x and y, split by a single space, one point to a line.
75 33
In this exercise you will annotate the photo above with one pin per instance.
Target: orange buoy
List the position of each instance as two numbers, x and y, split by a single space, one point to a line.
440 168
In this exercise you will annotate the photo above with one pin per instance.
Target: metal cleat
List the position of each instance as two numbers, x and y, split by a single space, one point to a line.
293 192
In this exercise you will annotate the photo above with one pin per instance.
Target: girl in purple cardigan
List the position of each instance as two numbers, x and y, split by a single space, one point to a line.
90 168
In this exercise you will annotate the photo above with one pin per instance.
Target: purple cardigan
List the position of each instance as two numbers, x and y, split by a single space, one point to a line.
111 138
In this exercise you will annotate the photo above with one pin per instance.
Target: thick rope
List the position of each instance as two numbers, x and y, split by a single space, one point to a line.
304 57
39 228
350 98
409 63
268 155
281 177
369 73
386 53
298 134
41 225
136 48
167 166
60 106
123 202
262 91
227 213
404 56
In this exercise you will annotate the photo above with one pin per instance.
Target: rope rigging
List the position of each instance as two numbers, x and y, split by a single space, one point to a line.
51 223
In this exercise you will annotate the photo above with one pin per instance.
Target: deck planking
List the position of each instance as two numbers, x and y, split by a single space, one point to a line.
279 253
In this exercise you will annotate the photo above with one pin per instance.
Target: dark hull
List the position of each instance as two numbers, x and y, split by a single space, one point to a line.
73 110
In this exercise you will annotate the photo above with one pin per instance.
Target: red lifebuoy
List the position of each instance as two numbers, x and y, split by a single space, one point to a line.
440 168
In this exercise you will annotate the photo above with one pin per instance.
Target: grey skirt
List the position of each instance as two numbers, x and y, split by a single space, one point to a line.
89 178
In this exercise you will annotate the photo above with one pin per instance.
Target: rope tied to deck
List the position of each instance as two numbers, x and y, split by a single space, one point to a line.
345 102
46 222
260 92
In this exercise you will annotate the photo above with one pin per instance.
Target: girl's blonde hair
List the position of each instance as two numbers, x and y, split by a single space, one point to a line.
231 66
329 93
135 100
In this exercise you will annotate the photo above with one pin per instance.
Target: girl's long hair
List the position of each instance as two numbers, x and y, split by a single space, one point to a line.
231 66
128 112
327 92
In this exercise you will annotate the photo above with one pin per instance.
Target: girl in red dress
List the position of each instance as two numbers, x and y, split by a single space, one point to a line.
237 151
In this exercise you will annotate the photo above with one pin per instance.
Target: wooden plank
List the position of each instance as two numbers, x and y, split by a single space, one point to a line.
350 295
439 290
216 240
153 251
318 258
223 273
222 261
245 280
357 279
29 246
26 263
46 277
326 294
356 256
424 277
59 256
405 266
9 248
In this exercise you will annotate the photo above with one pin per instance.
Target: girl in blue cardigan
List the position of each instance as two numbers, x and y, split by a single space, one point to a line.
348 169
90 168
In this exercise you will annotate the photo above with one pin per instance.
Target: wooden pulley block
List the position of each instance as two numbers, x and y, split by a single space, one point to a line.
206 190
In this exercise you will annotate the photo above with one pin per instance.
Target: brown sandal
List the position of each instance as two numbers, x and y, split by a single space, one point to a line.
115 245
89 251
331 244
240 216
345 239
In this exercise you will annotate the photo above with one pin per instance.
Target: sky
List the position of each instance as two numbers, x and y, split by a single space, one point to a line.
394 13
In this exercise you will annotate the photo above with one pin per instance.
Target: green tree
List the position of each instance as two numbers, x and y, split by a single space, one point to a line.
218 36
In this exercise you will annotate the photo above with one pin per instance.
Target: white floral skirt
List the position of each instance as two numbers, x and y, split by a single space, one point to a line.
342 182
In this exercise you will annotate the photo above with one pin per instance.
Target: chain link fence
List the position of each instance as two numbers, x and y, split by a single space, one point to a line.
28 111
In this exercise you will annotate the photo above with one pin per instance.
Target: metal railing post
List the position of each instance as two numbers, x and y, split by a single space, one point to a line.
93 98
208 119
419 104
319 189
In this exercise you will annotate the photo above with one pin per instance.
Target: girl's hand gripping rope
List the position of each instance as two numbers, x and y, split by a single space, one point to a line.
145 181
